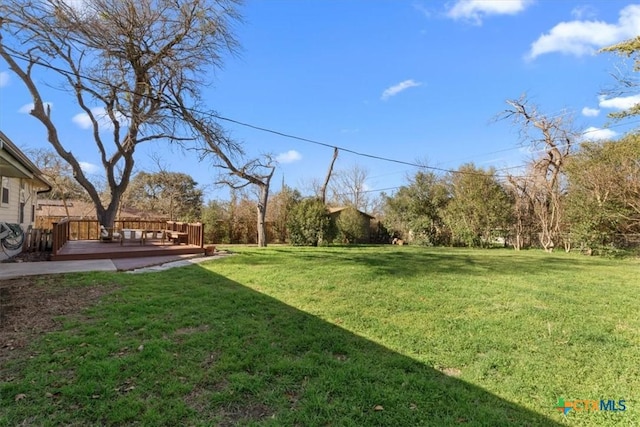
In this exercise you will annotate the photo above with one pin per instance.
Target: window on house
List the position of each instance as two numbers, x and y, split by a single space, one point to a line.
33 213
21 212
5 190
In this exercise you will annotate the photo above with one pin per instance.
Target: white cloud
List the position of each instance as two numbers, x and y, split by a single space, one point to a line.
4 78
26 109
597 134
619 103
396 89
586 37
89 168
590 112
289 157
476 10
84 122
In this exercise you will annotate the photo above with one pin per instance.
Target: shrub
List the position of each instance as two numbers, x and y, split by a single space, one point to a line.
309 224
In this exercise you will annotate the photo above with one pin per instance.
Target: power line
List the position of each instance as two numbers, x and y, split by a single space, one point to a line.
251 126
272 131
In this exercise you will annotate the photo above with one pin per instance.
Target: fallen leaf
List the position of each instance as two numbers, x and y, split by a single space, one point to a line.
378 408
141 347
95 396
20 396
413 406
47 394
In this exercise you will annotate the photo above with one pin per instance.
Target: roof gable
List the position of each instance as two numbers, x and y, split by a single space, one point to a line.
14 163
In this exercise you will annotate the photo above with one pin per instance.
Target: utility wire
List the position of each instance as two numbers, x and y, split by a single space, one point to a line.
268 130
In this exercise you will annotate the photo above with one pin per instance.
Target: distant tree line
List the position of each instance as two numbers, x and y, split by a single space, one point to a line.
592 204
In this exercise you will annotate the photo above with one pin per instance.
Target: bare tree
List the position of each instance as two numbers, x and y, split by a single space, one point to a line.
349 187
522 227
553 138
225 153
257 172
60 175
323 189
124 62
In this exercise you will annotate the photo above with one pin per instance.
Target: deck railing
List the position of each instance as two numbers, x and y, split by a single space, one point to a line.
89 229
60 235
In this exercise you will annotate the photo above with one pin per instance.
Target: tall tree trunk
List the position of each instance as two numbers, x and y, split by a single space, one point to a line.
323 190
107 217
262 214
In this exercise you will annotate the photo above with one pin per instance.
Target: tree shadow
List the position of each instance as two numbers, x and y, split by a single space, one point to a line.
414 261
265 355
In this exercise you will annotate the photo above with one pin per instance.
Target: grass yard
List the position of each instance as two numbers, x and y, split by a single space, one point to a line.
344 336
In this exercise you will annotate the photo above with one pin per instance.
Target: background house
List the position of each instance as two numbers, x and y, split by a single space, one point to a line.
20 183
363 223
50 211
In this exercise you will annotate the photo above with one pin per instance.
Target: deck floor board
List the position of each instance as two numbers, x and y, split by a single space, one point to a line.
95 249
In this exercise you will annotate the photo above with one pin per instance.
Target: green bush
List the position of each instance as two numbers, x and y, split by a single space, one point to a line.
309 224
350 226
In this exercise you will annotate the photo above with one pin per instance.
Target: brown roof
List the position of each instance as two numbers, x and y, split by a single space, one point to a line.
14 152
341 208
77 209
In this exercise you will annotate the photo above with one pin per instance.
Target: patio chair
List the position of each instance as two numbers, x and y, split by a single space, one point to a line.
131 235
155 235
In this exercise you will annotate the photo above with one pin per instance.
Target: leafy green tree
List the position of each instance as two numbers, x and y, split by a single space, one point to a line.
414 212
524 223
627 84
282 204
309 223
480 208
604 191
351 226
216 227
171 194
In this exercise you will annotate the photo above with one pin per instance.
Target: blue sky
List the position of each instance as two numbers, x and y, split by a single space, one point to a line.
408 80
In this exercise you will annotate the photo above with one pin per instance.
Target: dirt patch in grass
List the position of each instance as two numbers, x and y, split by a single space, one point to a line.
230 415
244 414
30 306
29 257
245 411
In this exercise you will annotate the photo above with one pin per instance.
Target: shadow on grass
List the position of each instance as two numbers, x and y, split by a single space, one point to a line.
414 261
219 353
272 363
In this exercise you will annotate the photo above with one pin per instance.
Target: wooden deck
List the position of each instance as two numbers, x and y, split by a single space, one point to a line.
76 250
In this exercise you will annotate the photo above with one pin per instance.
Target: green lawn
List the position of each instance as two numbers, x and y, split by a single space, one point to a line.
343 336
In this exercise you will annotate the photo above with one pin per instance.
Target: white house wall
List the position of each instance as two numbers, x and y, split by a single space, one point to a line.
10 212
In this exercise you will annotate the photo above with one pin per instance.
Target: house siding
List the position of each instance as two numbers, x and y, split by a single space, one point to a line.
10 212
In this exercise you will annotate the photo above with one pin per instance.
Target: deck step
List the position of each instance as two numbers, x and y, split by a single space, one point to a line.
85 250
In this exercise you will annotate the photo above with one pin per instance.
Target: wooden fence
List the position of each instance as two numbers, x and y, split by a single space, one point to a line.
37 240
